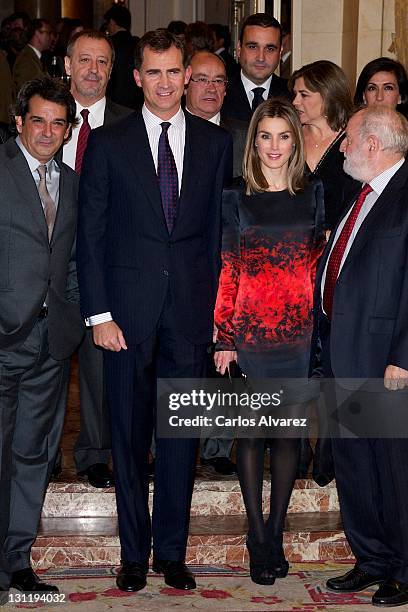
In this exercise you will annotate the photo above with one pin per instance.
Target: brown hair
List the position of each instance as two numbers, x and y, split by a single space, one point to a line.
251 167
331 83
95 35
159 40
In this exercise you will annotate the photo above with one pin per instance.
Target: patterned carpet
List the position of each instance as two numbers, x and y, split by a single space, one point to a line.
225 589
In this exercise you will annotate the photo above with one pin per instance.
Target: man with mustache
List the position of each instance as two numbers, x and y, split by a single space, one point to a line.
259 51
89 61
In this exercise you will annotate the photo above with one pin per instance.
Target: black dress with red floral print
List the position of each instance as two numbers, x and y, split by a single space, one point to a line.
270 247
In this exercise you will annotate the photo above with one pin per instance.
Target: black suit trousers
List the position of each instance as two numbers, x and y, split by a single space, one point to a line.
372 484
131 389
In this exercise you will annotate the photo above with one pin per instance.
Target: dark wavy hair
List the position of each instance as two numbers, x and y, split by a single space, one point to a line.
159 40
331 83
383 64
48 89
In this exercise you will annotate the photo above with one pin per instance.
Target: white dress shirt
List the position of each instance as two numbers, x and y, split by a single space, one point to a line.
378 184
249 86
95 119
36 51
177 138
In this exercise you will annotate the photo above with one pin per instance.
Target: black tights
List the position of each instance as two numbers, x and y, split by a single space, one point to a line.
284 460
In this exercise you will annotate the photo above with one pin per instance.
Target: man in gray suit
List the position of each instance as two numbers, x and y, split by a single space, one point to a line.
40 323
89 61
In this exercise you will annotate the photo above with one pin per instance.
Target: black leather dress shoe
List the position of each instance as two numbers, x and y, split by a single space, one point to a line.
99 476
352 581
221 465
131 577
391 593
26 580
176 574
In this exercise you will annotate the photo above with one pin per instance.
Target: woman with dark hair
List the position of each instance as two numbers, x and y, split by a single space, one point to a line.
383 81
322 97
273 234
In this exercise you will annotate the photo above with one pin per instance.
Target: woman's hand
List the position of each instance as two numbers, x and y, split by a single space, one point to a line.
222 359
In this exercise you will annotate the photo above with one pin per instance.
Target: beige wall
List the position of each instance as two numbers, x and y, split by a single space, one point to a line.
347 32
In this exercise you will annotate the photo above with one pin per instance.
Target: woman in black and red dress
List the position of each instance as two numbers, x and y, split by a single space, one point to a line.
273 234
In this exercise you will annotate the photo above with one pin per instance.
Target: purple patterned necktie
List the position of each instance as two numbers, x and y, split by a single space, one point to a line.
168 179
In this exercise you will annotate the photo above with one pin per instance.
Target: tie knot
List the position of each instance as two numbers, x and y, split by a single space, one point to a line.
85 114
258 91
365 191
165 126
42 171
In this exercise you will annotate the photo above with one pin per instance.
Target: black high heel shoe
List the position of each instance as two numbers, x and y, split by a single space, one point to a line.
260 568
280 566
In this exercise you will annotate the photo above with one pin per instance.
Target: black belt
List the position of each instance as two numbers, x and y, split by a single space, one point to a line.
43 314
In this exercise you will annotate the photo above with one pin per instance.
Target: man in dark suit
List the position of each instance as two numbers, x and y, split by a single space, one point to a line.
40 322
362 314
222 38
122 88
28 63
148 249
89 61
259 50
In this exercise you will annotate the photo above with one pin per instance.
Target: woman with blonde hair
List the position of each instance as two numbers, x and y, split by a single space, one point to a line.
273 234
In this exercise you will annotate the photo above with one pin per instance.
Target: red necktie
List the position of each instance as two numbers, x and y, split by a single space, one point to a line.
337 253
82 140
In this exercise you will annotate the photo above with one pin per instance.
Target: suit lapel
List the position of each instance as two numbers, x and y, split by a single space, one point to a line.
25 183
140 158
192 167
371 222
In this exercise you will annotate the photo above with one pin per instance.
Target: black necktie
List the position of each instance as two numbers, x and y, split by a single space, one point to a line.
258 97
168 179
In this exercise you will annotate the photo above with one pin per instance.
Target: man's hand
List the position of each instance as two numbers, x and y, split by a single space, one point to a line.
222 359
109 336
395 378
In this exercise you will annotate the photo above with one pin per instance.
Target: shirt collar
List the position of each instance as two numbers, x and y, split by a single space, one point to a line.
220 50
32 162
214 119
96 110
379 183
249 85
36 51
152 121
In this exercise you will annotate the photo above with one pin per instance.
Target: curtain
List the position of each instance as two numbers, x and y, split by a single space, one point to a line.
401 31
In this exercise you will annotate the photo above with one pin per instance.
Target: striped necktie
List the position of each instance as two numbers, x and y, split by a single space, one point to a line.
48 203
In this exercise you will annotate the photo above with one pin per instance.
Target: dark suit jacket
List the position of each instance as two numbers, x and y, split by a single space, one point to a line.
369 327
26 67
231 66
236 114
30 266
122 88
126 257
236 105
113 112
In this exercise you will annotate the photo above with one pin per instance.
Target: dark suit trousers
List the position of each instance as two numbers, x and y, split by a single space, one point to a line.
93 443
31 425
372 484
131 387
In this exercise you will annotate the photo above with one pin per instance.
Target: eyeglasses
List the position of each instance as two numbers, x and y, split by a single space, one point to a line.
204 82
